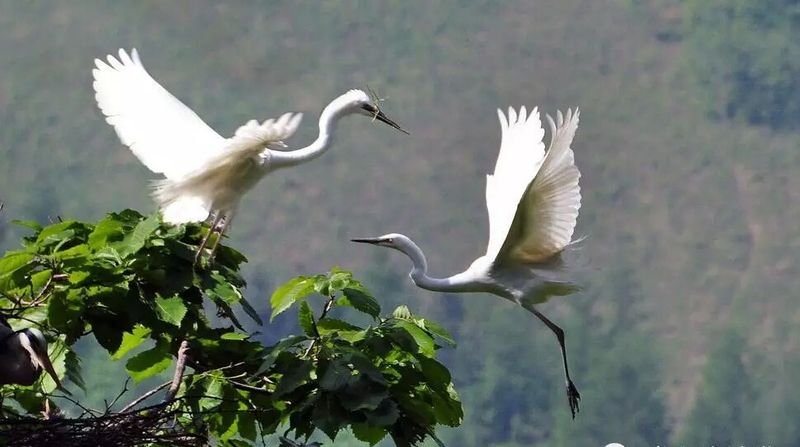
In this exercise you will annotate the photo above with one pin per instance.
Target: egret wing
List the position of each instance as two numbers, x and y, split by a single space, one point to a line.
166 135
191 197
521 155
548 212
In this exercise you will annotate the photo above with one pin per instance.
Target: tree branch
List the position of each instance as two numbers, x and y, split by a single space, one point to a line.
180 366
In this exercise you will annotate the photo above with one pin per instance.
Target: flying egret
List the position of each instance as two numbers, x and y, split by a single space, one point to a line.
23 356
533 199
205 174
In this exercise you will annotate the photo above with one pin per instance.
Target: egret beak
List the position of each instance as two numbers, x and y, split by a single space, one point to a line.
377 114
40 357
380 116
44 362
368 240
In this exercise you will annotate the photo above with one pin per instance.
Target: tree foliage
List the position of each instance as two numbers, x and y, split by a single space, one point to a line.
746 56
129 281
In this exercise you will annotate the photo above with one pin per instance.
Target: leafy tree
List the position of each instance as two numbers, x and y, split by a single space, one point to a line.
129 281
746 57
724 411
620 370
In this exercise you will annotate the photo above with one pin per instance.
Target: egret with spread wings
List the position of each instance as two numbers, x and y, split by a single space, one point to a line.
205 174
533 199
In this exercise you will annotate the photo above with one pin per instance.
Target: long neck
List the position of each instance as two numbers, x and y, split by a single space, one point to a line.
327 124
419 273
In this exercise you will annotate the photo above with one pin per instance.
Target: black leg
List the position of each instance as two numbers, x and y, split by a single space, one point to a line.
573 396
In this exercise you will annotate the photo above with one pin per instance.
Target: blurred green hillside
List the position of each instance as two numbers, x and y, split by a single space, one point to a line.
687 330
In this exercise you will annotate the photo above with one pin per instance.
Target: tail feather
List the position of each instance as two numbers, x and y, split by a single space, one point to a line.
178 207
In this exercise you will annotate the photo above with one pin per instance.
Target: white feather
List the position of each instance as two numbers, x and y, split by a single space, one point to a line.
161 131
549 209
218 183
202 168
521 155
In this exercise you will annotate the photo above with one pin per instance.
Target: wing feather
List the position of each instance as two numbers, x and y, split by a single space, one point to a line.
548 212
521 155
166 135
191 197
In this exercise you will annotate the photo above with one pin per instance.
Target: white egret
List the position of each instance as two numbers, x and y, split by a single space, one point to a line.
533 199
205 174
23 356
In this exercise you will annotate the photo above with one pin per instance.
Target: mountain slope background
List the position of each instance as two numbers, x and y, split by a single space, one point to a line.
690 217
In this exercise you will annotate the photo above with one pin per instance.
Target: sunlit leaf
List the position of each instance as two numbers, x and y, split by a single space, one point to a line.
148 363
131 340
439 331
287 294
35 226
421 338
134 241
171 309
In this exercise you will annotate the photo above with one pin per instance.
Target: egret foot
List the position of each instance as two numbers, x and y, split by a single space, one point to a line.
573 396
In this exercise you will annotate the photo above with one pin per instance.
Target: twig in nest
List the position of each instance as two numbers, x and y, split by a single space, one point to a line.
144 396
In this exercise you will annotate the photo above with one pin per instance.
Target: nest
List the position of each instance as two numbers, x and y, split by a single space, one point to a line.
155 424
133 425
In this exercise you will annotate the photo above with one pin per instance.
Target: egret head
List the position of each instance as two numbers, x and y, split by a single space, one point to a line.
397 241
358 101
33 341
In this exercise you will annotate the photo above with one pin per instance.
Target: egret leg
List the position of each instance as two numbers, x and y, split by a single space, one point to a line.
205 239
225 223
573 396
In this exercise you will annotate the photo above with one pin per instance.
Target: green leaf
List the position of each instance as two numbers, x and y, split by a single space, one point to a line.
57 353
212 397
221 288
172 310
436 374
339 280
439 331
336 376
148 363
131 340
306 319
447 408
79 251
107 230
135 241
64 312
276 350
421 338
289 293
247 424
57 233
12 263
72 366
234 336
367 433
251 312
33 225
385 415
360 301
298 375
328 325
